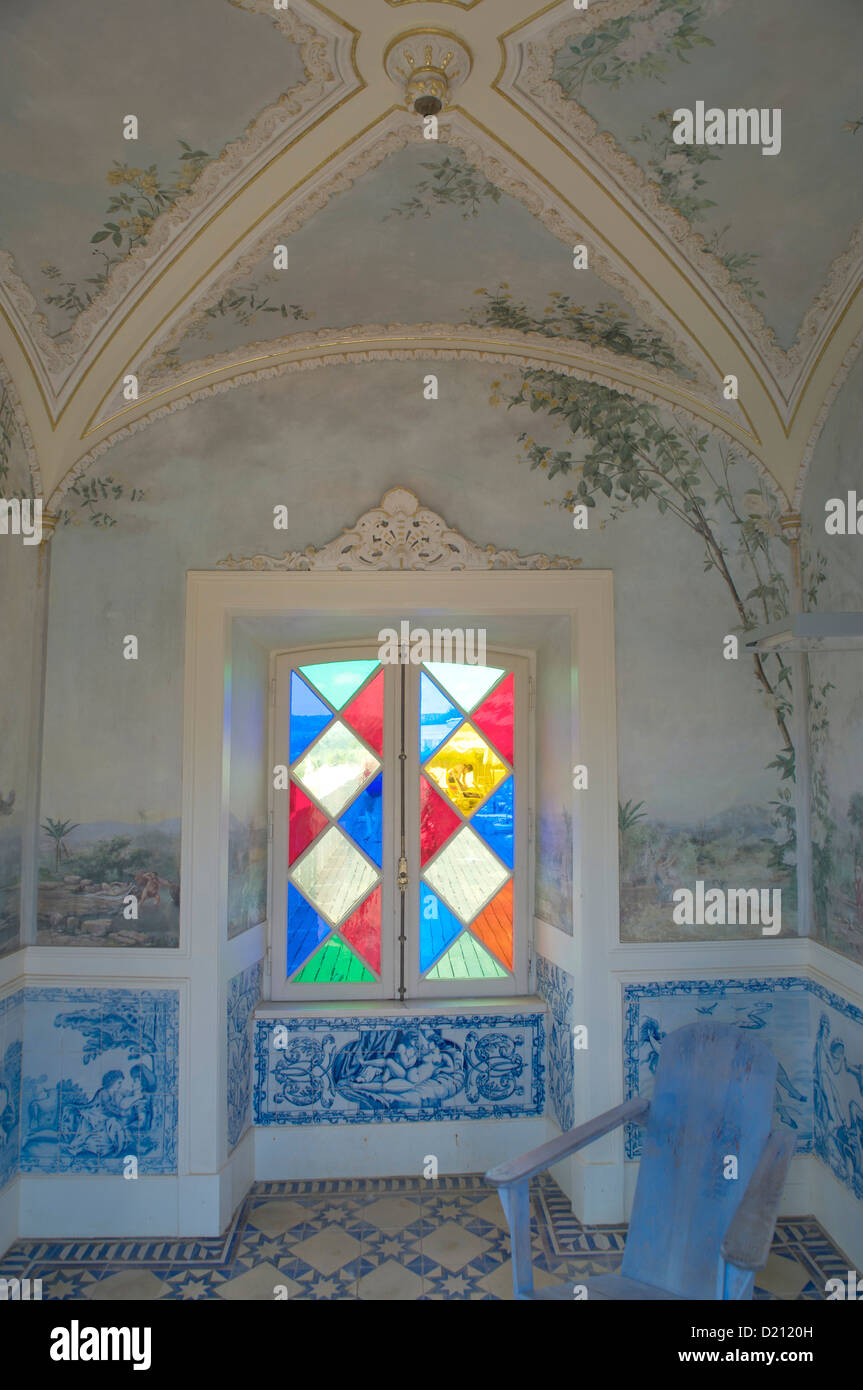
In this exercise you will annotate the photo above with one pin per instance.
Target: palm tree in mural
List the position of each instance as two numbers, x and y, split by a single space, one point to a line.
57 830
628 815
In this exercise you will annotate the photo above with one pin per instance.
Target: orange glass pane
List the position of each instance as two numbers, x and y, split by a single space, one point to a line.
494 718
437 821
494 925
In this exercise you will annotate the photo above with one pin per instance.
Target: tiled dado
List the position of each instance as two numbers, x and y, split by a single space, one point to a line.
359 1070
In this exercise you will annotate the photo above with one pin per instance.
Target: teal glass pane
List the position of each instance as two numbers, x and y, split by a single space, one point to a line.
306 930
438 927
466 684
495 822
363 822
308 716
467 960
339 680
438 717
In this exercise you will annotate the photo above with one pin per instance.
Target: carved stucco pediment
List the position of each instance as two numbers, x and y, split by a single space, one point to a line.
400 534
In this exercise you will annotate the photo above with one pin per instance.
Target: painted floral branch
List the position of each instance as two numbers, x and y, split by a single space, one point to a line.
451 183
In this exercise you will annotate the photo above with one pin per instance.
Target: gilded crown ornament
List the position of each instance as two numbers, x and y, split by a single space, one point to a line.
427 65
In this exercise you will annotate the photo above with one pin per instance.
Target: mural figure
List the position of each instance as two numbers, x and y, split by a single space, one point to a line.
388 1068
838 1124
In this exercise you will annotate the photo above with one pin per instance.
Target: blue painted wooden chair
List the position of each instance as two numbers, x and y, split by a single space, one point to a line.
694 1233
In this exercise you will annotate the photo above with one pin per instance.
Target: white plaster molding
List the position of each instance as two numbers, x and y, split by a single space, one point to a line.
543 355
529 76
394 133
821 418
325 49
400 534
23 428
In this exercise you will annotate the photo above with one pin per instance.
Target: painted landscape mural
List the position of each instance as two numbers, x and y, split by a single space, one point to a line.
836 710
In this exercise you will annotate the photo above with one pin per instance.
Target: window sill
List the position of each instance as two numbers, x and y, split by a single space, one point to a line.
412 1008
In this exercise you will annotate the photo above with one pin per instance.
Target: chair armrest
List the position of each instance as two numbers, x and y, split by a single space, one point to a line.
748 1239
537 1160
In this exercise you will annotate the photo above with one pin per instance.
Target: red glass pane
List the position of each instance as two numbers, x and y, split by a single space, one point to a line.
363 930
365 713
437 820
306 822
494 925
494 718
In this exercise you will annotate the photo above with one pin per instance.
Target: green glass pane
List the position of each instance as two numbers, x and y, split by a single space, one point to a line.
466 684
466 960
335 964
339 680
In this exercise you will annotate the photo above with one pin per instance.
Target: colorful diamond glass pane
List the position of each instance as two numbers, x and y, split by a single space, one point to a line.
363 930
467 769
365 713
334 875
466 684
338 680
309 716
362 820
437 821
466 960
465 874
306 822
495 822
493 926
438 717
335 769
494 718
335 964
438 927
306 930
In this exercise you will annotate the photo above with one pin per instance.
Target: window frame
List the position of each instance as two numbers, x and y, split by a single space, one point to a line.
385 990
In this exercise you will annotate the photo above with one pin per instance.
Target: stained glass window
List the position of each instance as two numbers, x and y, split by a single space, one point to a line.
467 822
335 823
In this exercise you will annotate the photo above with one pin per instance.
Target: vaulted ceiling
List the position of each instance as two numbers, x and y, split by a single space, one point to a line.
260 127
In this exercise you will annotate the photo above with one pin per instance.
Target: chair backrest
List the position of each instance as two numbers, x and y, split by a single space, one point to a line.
713 1098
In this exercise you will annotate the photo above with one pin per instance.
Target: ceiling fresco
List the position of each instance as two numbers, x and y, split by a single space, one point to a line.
154 257
425 237
76 196
776 222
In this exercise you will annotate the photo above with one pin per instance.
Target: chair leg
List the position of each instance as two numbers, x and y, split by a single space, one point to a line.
735 1284
515 1201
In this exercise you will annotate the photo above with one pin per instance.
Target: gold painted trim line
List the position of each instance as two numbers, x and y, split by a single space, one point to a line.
557 357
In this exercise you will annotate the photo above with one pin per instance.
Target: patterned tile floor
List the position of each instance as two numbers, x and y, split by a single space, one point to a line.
380 1239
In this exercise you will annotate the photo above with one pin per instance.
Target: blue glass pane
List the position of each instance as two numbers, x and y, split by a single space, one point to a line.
495 822
362 819
308 716
438 927
438 717
306 930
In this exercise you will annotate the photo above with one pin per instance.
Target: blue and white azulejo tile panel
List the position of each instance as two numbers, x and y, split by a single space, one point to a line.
556 987
775 1009
837 1085
355 1070
99 1080
244 991
11 1046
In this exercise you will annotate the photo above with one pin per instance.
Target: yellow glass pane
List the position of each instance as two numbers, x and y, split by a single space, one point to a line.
467 769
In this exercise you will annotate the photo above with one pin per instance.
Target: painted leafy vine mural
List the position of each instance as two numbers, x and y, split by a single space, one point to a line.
646 43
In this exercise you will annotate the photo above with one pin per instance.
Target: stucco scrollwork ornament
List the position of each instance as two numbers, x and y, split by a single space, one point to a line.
400 534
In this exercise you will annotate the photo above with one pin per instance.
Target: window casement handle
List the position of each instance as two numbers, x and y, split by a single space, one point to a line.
402 879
